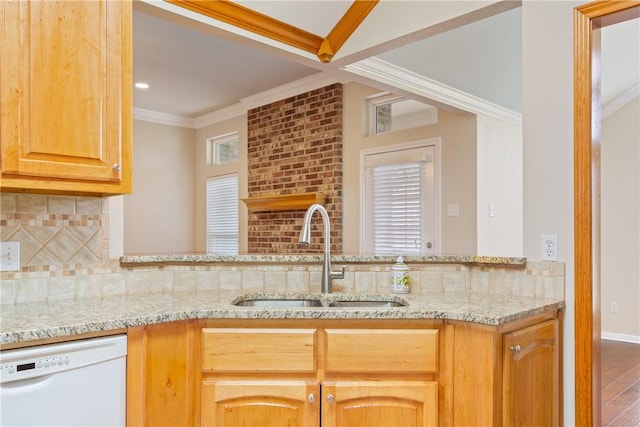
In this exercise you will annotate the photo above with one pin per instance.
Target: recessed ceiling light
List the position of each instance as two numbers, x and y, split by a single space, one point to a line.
141 85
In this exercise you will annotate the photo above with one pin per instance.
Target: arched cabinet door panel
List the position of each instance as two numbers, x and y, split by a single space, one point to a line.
380 403
530 381
228 403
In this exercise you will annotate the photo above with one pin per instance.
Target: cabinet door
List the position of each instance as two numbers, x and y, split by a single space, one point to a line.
260 403
380 403
530 381
66 89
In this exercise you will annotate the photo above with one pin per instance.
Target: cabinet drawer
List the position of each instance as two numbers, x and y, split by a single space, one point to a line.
383 350
258 350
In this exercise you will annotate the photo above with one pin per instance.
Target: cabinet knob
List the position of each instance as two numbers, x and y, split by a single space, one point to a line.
311 398
330 398
515 349
117 167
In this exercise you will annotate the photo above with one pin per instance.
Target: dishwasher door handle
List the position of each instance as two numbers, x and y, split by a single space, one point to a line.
27 385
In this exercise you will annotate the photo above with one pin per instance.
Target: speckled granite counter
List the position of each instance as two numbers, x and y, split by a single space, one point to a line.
66 318
173 259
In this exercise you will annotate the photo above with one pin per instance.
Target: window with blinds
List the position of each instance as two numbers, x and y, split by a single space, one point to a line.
399 201
222 215
397 208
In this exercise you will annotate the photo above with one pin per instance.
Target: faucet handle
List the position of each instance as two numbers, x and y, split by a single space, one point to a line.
338 274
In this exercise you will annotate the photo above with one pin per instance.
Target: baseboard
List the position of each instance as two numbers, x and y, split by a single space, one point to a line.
620 337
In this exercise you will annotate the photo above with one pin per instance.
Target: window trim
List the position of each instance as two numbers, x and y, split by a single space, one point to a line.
376 101
211 151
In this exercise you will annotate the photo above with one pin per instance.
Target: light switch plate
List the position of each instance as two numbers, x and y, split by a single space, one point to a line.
453 209
9 256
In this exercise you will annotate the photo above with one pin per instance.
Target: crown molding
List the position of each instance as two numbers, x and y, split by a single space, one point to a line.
163 118
401 78
296 87
373 68
621 101
220 115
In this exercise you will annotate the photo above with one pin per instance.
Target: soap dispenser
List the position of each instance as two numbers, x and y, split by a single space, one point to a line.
400 277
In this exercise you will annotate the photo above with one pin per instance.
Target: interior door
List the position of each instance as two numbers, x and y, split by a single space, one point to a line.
391 164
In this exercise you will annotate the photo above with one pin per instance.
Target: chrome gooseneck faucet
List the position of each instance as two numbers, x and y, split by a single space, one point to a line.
305 239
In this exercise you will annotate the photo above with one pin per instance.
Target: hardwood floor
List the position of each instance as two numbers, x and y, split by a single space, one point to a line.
620 384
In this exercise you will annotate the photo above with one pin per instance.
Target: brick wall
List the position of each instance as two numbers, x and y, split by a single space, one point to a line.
295 146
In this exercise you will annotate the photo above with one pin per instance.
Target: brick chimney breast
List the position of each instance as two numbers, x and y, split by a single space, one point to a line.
295 146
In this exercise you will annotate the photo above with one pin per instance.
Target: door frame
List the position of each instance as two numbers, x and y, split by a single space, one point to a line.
587 122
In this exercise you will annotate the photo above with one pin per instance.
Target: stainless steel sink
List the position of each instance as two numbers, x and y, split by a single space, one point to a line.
278 302
325 300
366 304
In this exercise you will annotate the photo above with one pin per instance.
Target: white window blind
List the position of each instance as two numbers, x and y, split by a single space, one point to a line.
396 208
222 215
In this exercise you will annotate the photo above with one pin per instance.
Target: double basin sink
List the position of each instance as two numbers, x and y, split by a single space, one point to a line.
326 300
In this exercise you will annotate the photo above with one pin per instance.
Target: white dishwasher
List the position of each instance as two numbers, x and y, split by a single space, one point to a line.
77 383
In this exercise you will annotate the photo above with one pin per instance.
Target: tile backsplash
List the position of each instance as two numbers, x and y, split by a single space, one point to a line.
56 232
64 249
537 279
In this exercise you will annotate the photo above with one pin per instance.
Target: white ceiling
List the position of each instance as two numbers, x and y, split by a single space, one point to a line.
196 65
191 73
620 47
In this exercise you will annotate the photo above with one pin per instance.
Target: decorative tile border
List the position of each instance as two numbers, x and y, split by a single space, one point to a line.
55 232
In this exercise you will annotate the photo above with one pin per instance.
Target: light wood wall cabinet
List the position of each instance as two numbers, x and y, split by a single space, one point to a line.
65 86
344 373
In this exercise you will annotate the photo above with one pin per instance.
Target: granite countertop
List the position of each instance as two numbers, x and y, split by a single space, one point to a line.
66 318
177 259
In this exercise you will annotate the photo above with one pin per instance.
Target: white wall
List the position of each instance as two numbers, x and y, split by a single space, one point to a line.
620 228
547 38
499 152
458 176
158 215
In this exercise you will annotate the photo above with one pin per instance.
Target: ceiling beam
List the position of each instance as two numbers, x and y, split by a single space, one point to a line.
258 23
345 28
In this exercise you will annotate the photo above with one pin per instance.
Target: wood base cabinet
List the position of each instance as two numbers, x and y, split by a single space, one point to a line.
508 375
299 403
65 91
319 377
325 373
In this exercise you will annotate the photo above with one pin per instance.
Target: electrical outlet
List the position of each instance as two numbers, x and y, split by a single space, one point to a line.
9 256
549 247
